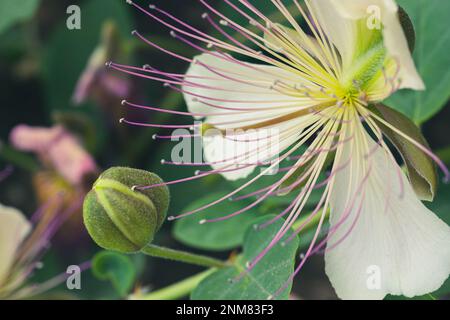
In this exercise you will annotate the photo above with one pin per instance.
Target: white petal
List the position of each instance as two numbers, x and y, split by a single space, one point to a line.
339 30
404 241
14 227
229 76
394 38
238 154
227 80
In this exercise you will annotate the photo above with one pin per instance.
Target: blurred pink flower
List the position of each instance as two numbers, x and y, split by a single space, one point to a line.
96 82
58 147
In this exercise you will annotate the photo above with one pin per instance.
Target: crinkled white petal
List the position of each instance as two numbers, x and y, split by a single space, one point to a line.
394 37
238 153
397 245
14 227
227 80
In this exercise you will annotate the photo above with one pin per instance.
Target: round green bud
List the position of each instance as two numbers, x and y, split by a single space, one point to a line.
121 217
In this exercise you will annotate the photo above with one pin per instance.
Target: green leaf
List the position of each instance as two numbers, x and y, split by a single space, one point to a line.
266 278
115 267
13 11
223 235
401 298
421 169
432 58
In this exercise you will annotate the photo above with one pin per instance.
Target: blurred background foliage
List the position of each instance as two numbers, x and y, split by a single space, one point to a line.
41 62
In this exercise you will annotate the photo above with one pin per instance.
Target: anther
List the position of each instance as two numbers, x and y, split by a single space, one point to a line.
152 6
134 32
202 221
170 218
123 102
121 120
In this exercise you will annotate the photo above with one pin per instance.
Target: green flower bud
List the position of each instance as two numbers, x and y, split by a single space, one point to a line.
121 218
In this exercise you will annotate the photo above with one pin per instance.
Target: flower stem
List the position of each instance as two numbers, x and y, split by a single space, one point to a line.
177 290
182 256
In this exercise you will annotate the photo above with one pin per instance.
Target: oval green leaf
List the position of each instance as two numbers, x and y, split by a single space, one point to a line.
223 235
266 278
115 267
432 58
